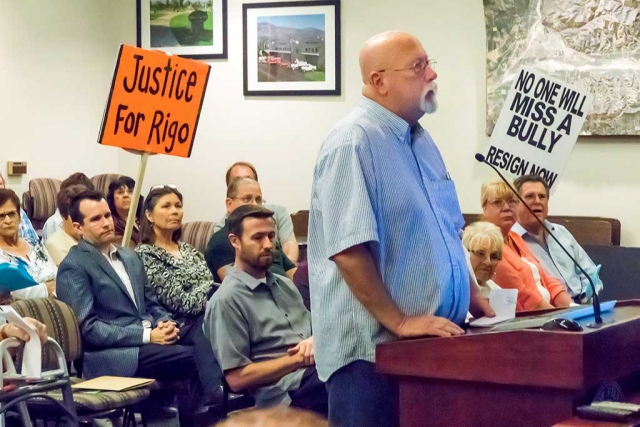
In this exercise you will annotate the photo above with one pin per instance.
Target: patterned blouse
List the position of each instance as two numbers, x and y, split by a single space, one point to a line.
182 286
39 265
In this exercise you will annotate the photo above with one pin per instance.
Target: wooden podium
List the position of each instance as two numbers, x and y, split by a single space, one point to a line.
516 378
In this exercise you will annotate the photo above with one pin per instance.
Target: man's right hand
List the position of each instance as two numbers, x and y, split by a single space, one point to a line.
419 326
306 352
164 335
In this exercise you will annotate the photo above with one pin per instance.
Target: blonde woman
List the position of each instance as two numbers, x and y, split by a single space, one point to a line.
483 240
519 268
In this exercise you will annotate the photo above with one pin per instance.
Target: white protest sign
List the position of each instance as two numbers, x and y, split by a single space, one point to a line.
538 126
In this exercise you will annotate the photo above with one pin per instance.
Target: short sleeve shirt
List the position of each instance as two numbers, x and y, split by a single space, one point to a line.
250 320
377 181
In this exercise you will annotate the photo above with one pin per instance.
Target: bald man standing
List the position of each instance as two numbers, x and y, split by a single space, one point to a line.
385 256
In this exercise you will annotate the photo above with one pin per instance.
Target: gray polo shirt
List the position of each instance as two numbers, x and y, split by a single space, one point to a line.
249 320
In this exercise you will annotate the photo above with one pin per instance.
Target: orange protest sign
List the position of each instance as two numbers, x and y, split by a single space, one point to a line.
155 101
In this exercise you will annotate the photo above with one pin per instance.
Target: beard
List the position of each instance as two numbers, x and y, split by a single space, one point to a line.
261 262
428 102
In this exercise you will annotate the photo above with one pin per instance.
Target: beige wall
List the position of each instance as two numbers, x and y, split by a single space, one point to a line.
55 75
56 57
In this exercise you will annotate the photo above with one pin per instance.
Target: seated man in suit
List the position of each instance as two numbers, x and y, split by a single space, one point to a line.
257 324
285 236
125 332
535 191
219 253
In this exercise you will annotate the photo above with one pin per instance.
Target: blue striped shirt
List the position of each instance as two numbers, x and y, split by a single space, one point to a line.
379 181
26 230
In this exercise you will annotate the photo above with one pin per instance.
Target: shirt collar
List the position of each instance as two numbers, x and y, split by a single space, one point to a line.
398 126
521 231
250 281
113 252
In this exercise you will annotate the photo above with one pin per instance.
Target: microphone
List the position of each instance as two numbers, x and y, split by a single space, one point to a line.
596 301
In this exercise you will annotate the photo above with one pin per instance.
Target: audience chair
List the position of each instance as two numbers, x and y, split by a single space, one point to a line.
239 401
62 326
587 230
197 234
300 221
40 201
20 396
101 182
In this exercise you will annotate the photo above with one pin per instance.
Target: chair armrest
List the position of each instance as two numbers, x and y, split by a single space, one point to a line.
5 345
11 342
62 362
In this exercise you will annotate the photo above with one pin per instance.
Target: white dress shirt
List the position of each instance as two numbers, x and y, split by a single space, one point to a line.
118 266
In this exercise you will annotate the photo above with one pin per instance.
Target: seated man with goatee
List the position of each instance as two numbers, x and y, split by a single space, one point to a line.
258 326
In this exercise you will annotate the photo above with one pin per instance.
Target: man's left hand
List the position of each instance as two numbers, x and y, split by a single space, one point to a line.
305 348
480 307
168 324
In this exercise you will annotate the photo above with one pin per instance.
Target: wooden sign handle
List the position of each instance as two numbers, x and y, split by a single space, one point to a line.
131 218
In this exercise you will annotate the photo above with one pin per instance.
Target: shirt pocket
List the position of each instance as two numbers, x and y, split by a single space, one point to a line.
444 201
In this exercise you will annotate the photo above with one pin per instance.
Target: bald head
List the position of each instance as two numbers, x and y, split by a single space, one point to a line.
397 74
385 51
243 191
237 183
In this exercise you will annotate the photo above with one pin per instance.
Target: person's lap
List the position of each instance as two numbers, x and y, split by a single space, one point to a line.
359 396
165 362
312 393
208 368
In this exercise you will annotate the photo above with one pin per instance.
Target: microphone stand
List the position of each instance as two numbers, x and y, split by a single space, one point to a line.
596 301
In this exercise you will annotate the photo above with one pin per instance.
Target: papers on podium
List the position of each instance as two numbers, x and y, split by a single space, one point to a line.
536 321
503 302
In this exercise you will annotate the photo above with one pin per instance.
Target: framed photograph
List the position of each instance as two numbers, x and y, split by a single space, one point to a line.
189 28
291 48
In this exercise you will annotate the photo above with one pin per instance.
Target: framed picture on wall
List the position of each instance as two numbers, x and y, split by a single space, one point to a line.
291 48
189 28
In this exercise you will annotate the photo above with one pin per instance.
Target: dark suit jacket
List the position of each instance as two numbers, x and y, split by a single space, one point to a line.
110 322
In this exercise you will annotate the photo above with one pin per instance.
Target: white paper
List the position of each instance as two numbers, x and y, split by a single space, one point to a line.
32 355
503 302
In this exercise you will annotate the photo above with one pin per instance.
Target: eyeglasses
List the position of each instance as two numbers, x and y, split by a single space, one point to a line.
498 203
249 200
161 186
531 197
482 254
11 214
418 67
